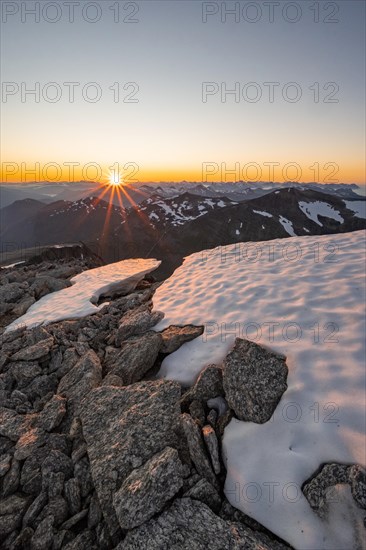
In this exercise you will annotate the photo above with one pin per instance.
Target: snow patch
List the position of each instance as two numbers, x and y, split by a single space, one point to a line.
318 208
263 213
78 300
287 225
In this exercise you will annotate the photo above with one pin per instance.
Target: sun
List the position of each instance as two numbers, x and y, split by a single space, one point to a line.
115 179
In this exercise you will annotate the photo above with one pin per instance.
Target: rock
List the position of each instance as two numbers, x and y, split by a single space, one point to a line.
35 335
197 412
55 360
316 490
357 480
31 477
12 292
23 539
206 493
83 541
254 380
37 351
222 422
24 373
83 475
43 536
72 495
190 524
44 285
197 449
52 414
112 380
123 428
40 390
147 489
11 513
29 442
69 360
5 445
95 512
35 509
5 462
135 322
12 425
103 537
55 462
78 452
212 446
212 418
56 484
207 386
23 306
175 336
229 513
12 479
57 508
9 338
74 520
61 538
4 359
136 357
81 379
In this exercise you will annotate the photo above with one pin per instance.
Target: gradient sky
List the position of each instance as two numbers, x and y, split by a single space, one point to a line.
170 132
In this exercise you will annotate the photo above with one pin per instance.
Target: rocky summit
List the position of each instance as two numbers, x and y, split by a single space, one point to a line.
97 453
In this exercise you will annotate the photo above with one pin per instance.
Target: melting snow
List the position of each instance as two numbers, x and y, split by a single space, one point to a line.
320 417
78 300
318 208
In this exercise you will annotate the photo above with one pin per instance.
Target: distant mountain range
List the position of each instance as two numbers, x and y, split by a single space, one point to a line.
48 192
172 227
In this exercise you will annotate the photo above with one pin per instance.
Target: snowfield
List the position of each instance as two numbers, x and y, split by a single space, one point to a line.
78 300
303 297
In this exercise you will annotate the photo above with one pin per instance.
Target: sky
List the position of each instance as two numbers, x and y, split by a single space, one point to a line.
151 84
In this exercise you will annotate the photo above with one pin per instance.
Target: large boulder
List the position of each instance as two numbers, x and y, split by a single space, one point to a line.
191 525
34 352
207 386
44 285
146 490
254 380
316 490
123 428
136 321
12 292
135 358
175 336
81 379
52 414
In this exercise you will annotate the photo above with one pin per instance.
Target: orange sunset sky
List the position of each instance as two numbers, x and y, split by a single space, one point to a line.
176 89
